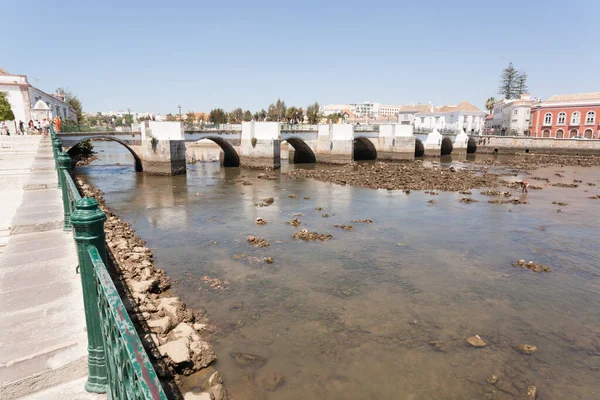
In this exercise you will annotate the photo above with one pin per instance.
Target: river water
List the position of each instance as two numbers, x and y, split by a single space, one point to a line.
353 317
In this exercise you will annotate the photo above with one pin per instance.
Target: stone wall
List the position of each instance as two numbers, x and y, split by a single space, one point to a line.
520 144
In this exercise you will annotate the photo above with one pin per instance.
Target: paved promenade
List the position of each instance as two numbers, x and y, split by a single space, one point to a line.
42 322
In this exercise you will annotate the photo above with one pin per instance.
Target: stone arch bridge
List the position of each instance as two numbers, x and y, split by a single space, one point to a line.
162 148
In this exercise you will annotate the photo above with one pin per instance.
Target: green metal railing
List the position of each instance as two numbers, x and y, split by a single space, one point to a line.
118 364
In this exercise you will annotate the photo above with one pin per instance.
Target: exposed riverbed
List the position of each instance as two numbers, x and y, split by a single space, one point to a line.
383 310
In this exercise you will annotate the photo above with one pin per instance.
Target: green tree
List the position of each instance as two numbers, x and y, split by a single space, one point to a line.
521 84
247 116
489 104
236 116
171 117
335 118
128 119
190 120
6 112
277 111
313 113
299 116
291 114
513 83
74 102
218 116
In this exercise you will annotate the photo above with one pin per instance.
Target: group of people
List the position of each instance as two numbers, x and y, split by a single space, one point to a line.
36 127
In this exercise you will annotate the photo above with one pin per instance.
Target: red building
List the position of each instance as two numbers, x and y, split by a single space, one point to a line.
566 116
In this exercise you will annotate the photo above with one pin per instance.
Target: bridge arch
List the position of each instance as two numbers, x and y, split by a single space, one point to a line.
136 157
446 146
471 146
364 149
419 148
303 154
231 157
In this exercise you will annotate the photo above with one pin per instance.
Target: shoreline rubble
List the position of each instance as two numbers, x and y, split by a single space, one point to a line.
174 334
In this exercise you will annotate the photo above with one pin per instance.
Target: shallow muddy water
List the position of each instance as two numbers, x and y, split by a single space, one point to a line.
354 317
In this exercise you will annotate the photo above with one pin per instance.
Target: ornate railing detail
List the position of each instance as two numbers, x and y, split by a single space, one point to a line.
117 361
130 372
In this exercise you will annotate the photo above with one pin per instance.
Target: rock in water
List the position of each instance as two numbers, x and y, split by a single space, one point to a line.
438 345
249 360
273 381
527 348
476 341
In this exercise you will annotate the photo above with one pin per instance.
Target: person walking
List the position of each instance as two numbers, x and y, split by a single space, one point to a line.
524 186
46 127
21 128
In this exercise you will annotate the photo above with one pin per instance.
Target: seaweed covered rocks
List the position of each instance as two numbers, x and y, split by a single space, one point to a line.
400 176
533 266
258 242
308 236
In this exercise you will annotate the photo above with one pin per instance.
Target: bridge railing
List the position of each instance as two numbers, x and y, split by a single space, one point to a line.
299 127
117 361
366 128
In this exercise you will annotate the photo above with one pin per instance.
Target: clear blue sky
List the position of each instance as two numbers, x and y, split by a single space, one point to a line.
152 56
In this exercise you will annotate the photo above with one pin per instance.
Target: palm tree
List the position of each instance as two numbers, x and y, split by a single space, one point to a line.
489 104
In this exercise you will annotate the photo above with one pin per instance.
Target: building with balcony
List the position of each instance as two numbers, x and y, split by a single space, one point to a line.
30 103
566 116
451 119
510 117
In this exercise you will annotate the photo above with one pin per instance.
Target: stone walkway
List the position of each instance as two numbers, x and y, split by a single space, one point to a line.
43 342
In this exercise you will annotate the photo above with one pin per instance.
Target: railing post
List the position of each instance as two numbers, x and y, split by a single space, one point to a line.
64 166
57 149
88 226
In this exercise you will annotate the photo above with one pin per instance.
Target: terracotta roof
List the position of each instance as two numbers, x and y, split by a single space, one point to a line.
3 72
462 106
575 97
350 113
416 108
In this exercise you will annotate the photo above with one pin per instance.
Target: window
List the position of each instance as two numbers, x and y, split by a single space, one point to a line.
590 118
588 134
575 118
562 117
560 134
573 133
546 133
548 119
422 120
516 112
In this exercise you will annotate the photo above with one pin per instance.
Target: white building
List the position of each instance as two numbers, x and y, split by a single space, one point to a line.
30 103
510 116
452 119
366 109
406 114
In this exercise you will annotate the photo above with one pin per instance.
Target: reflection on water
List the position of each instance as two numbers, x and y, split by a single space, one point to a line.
353 318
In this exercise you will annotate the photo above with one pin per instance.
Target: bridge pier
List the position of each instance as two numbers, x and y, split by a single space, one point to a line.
260 145
433 144
335 144
163 148
459 146
395 142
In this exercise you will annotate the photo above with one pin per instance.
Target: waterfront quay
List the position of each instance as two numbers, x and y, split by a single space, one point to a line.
43 341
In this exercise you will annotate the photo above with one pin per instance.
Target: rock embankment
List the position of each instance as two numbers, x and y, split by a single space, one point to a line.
400 176
532 161
174 334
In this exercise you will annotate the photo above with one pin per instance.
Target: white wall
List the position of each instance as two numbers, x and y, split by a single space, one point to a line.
162 130
15 98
